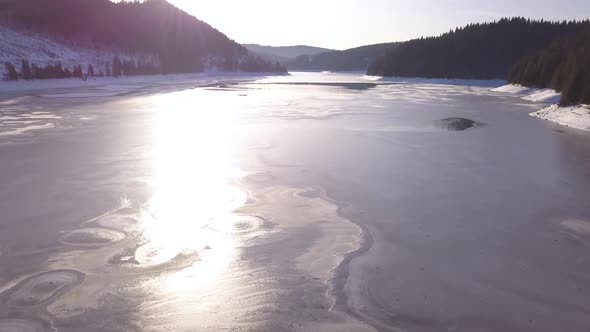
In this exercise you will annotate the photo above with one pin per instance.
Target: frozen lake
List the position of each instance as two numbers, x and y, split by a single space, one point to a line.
311 202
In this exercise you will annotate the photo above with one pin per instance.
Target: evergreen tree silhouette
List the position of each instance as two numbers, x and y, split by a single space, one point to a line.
117 67
477 51
11 73
563 66
26 71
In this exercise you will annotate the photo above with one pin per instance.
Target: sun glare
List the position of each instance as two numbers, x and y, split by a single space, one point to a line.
193 140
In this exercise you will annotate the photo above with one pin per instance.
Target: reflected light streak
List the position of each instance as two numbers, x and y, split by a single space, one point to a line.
194 137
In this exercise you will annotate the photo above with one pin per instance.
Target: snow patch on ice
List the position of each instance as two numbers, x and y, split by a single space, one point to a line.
548 96
572 116
513 89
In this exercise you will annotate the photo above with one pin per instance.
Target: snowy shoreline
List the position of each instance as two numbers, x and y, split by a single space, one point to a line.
115 86
572 116
443 81
577 116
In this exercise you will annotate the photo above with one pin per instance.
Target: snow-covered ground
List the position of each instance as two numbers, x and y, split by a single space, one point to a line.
572 116
548 96
513 89
16 45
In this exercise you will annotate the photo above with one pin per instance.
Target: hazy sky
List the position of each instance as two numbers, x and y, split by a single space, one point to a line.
343 24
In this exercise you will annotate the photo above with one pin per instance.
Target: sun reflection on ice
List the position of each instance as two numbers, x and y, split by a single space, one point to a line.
194 139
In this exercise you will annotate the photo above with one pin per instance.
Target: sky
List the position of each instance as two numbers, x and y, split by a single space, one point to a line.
342 24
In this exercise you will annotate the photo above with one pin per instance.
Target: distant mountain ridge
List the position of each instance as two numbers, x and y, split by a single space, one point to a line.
354 59
285 52
175 41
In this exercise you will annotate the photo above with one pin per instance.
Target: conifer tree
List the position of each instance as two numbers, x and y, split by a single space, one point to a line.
117 67
75 72
11 73
26 72
563 66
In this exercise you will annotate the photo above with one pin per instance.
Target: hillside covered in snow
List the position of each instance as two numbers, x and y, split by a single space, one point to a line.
41 51
65 38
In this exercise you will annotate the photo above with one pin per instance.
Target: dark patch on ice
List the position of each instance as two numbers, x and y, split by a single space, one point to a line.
455 124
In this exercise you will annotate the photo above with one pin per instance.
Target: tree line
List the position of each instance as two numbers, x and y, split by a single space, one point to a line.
477 51
115 68
563 66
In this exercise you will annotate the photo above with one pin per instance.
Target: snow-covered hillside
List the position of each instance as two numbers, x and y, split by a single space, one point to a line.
41 50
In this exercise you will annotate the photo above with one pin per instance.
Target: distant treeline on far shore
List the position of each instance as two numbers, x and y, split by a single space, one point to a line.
116 68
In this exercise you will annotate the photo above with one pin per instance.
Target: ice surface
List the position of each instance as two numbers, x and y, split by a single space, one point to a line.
315 202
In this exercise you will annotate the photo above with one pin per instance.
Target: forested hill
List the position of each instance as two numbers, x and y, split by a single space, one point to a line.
563 66
180 42
477 51
284 53
357 58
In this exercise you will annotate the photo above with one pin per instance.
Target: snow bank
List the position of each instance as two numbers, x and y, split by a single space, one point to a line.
513 89
572 116
547 96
